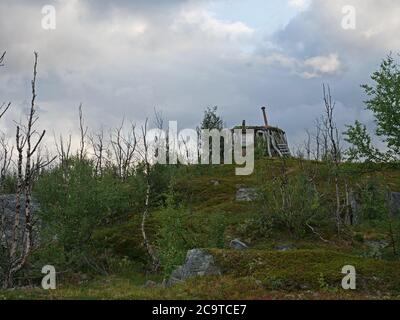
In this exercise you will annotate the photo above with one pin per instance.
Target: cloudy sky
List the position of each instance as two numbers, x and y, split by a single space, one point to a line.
123 58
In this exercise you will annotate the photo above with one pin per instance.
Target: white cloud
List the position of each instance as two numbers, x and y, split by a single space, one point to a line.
322 65
127 58
314 67
205 22
299 4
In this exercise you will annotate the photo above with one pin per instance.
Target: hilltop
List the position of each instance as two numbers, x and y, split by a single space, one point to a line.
279 263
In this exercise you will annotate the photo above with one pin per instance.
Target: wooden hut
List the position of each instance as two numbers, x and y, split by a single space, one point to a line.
272 138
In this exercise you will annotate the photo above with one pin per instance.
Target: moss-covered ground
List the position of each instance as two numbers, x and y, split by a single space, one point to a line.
310 270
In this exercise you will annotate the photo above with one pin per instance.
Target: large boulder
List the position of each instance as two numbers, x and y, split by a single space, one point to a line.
355 203
198 263
245 194
8 203
395 203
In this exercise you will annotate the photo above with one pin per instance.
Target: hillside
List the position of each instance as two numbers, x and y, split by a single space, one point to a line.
279 264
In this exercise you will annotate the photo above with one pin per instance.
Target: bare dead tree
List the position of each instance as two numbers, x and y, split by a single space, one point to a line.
63 149
332 134
161 142
28 141
5 159
3 108
41 162
145 156
158 119
323 138
99 150
307 145
124 147
317 153
116 144
83 133
130 143
331 125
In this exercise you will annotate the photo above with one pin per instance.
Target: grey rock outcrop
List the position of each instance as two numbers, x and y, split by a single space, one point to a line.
198 263
245 194
395 203
355 203
238 245
7 211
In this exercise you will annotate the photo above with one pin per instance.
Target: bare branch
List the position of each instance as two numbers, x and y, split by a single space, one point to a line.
2 58
3 109
83 132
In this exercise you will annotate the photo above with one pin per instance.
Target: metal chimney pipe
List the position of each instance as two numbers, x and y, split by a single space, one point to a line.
265 117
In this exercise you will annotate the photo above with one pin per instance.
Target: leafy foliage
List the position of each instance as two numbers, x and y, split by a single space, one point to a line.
175 238
211 119
384 102
74 202
292 203
373 198
362 147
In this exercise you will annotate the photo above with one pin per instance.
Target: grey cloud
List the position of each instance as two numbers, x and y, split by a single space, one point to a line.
140 55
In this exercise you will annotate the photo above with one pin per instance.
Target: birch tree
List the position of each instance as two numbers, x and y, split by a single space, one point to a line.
334 149
147 172
28 141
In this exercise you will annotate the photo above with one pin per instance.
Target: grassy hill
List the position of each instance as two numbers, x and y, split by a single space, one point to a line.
211 217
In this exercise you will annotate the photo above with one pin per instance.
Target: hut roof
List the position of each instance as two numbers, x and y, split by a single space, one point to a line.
260 128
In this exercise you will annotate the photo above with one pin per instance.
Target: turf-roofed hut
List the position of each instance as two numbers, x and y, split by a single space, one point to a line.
273 139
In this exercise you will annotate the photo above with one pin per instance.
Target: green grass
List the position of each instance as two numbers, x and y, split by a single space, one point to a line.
311 271
252 274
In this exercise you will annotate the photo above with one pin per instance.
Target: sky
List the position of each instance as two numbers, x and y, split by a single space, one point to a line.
123 58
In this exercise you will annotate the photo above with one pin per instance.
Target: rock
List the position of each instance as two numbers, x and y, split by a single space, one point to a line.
7 211
395 203
8 203
150 284
304 286
215 182
376 248
285 247
355 203
238 245
377 244
245 194
355 209
259 283
198 263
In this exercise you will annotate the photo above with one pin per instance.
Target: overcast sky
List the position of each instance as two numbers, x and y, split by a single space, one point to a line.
124 58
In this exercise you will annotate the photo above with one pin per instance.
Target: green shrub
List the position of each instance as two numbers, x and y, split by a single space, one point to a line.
8 185
373 199
292 203
374 211
74 202
174 237
217 227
